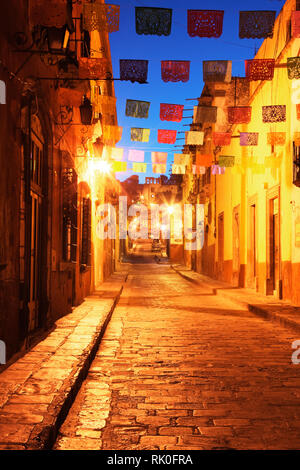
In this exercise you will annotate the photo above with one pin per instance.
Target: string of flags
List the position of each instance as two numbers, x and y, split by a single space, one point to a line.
97 16
202 24
202 163
136 70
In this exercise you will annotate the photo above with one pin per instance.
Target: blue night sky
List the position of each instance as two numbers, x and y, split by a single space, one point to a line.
126 44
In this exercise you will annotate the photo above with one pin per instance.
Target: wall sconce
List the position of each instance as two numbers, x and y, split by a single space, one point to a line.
58 39
86 112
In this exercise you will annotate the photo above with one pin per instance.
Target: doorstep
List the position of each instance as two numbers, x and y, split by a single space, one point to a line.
38 389
279 311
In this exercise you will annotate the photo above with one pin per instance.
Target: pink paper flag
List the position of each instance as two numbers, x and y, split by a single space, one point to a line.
136 155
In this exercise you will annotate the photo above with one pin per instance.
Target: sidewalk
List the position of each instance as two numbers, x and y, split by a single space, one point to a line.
37 390
279 311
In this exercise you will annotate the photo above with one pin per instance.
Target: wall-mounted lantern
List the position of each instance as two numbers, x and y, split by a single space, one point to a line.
58 39
86 112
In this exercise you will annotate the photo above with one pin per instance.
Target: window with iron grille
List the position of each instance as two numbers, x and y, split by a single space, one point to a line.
86 232
69 215
296 164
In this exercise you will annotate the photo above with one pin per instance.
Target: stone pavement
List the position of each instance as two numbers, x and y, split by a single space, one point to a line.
38 389
268 307
181 368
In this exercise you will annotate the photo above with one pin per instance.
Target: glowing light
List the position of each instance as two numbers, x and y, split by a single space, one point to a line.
171 210
97 164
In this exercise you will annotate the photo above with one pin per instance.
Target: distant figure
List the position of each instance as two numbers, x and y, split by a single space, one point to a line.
2 92
2 352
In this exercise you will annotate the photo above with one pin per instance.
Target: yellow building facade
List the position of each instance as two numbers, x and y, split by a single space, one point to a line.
252 212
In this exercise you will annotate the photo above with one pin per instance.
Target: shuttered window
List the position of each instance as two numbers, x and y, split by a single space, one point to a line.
70 212
86 232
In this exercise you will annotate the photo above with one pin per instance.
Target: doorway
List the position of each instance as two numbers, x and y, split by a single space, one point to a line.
220 245
252 243
236 246
32 227
274 246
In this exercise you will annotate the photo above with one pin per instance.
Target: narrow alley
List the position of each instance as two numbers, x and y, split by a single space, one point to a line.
181 368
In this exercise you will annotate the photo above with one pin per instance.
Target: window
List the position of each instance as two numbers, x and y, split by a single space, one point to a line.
69 215
86 44
86 232
296 164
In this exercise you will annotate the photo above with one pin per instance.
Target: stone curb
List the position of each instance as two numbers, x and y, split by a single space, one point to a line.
44 435
260 311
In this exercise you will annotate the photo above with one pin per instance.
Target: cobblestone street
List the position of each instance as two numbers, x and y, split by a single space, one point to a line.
181 368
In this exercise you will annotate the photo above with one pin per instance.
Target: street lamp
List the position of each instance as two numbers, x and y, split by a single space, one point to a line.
97 164
86 112
58 39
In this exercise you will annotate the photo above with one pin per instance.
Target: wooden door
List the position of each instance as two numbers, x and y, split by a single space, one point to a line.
274 251
252 246
236 246
220 245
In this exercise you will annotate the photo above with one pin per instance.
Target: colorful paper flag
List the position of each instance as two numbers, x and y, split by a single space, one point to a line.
159 157
293 68
181 158
175 70
217 70
217 170
139 167
198 170
119 166
276 138
256 24
100 17
139 134
260 69
94 68
178 169
171 112
239 114
221 139
275 113
166 136
226 161
295 23
206 114
194 138
137 108
204 160
248 138
205 23
159 168
134 70
152 20
136 155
